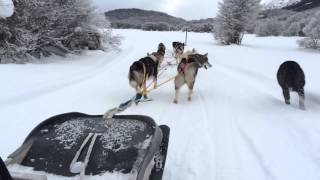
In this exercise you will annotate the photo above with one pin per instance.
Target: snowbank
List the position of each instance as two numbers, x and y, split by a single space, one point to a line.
236 127
6 8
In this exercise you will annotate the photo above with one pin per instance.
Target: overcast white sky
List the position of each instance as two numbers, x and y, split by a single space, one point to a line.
188 9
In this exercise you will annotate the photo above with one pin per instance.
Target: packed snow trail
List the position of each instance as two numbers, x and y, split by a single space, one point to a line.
237 126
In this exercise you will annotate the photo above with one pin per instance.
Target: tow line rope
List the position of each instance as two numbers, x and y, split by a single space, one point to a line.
162 70
135 99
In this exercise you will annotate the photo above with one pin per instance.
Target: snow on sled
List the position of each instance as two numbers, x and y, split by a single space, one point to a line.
78 145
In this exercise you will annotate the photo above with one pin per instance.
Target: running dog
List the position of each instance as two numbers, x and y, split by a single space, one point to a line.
178 49
187 73
291 78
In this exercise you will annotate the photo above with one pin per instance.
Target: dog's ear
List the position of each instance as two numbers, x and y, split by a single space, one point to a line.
148 54
206 54
193 50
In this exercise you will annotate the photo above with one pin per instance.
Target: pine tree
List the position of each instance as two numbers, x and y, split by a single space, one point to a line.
233 18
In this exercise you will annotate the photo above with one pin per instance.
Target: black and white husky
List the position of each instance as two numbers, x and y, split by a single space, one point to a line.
178 49
144 69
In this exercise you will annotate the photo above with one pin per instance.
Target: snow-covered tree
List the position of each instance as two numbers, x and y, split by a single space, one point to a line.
293 29
269 27
312 31
233 18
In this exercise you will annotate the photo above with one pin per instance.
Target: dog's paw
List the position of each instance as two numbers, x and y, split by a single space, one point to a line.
302 107
155 86
175 101
189 98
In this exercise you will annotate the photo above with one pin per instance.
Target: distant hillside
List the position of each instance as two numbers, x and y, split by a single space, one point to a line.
283 9
294 5
136 18
278 4
153 20
287 21
303 5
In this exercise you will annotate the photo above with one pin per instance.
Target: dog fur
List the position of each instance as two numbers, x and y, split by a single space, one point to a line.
186 54
161 51
291 77
187 73
178 49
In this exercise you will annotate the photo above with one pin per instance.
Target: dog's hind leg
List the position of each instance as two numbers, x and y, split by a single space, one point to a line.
155 78
144 90
177 95
301 99
178 83
286 95
190 87
190 78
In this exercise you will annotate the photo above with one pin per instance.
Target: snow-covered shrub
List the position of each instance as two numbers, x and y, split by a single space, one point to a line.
269 27
149 27
294 25
233 18
42 28
203 27
156 26
293 29
309 43
312 31
163 27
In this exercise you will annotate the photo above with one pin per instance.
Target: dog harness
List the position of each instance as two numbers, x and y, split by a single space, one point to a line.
183 65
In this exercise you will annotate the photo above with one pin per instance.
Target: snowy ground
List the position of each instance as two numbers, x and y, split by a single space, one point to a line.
236 128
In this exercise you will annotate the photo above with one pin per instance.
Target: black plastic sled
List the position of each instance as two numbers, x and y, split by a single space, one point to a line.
76 144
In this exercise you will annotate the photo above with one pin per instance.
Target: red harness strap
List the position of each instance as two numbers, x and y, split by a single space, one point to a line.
182 67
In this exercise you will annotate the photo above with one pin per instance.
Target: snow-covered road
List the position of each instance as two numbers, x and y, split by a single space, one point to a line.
236 128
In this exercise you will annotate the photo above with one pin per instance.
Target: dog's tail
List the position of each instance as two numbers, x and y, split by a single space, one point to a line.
135 74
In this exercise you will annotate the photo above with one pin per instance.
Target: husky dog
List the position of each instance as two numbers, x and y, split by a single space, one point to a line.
291 77
187 72
178 49
161 51
144 69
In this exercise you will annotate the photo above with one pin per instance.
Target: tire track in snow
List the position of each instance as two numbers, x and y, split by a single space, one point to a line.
206 117
242 135
236 139
246 76
58 84
246 79
258 156
223 146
